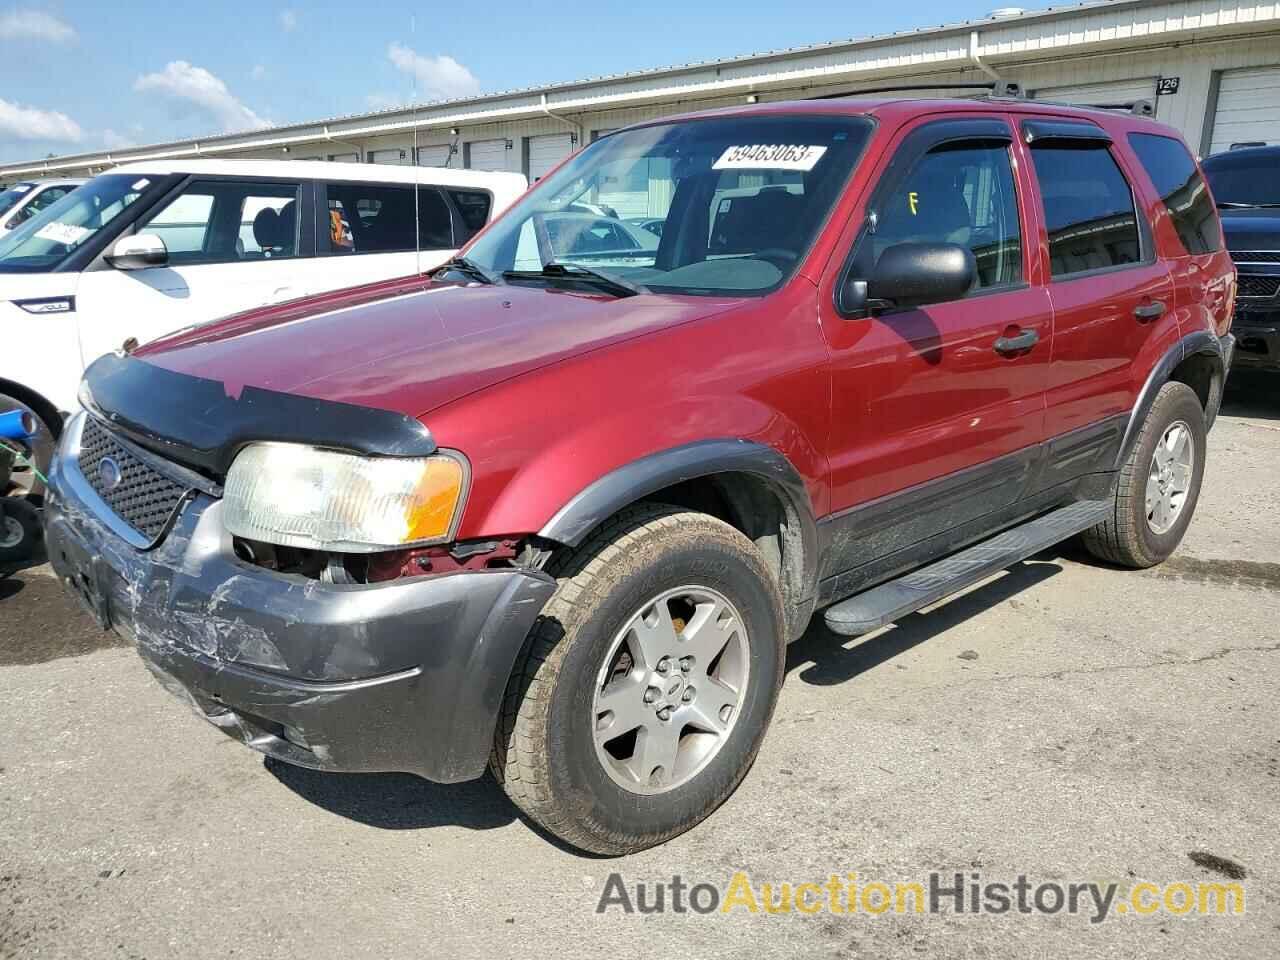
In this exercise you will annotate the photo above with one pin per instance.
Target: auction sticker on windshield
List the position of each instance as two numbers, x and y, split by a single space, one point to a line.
770 156
66 233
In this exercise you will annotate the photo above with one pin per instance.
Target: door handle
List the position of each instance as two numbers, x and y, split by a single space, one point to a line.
1016 344
1147 312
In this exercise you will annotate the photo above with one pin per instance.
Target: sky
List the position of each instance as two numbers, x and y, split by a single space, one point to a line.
77 77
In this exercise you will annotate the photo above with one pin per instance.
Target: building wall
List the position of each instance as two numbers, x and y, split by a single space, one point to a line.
1193 63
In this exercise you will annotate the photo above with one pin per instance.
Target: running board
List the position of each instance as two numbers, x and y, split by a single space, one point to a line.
890 601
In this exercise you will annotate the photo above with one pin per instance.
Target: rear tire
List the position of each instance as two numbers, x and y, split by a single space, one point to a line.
583 747
1157 489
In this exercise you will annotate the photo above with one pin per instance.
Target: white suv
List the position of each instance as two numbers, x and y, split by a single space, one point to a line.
152 247
23 200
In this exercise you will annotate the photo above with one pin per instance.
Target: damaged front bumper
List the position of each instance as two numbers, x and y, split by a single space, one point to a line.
404 676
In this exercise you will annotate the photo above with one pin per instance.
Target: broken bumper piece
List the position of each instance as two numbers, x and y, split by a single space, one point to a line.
404 676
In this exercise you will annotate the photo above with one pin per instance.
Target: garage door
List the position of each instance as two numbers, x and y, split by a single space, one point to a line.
1124 91
547 151
1248 108
393 155
487 155
433 156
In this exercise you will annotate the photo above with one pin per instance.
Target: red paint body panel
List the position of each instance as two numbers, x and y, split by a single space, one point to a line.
547 391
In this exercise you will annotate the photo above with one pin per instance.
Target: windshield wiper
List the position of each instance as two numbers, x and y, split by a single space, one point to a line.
574 273
1235 205
466 267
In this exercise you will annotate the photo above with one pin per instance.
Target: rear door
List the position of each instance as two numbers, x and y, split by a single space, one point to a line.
1110 291
933 416
233 244
378 231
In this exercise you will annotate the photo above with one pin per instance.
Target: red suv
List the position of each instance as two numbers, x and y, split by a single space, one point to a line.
558 509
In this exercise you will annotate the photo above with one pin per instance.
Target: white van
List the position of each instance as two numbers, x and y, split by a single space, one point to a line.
152 247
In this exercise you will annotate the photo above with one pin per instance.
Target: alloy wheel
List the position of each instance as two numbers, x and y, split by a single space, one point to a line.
670 689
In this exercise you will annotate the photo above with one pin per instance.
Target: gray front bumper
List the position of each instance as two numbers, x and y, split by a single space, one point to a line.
406 675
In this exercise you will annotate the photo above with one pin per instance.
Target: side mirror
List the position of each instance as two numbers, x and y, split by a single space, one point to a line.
138 252
910 275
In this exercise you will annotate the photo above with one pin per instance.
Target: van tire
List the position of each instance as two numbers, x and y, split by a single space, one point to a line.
547 751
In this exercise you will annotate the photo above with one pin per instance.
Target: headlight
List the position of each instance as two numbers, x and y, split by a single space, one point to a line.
298 496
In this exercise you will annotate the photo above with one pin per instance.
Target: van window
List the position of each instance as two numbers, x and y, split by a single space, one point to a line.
380 218
226 221
473 208
1182 189
1088 207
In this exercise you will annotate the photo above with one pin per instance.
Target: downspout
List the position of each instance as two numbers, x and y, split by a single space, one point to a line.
346 143
978 61
577 127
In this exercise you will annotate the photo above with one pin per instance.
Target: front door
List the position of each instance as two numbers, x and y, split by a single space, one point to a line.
937 410
232 245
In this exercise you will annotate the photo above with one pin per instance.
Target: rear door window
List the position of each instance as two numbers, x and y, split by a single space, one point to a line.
1088 206
1182 189
382 218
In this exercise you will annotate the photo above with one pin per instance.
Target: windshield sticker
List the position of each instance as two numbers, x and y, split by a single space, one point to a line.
770 156
63 233
22 188
141 185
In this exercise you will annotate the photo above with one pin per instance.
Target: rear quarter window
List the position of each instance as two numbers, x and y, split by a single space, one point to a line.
473 208
1182 188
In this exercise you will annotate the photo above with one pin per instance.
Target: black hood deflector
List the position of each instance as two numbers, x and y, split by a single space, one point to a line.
196 422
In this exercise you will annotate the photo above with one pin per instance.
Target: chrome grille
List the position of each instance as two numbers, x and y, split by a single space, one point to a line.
141 496
1255 256
1257 285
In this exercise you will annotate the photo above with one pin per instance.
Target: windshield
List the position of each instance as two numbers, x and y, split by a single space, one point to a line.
1250 179
48 238
10 197
719 206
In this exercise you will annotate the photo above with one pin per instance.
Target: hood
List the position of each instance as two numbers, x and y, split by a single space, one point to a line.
1256 229
416 347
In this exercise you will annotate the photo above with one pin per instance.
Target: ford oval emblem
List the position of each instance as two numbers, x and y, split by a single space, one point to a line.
109 474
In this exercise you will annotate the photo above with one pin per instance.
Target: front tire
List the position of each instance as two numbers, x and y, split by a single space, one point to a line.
646 685
1159 484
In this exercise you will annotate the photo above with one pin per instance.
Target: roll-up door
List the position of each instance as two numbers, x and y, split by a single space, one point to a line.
487 155
547 151
1248 108
433 156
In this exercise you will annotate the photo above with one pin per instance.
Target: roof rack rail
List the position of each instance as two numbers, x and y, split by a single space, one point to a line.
997 88
1139 108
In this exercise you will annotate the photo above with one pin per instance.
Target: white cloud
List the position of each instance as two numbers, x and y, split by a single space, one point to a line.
288 20
439 78
117 141
258 72
35 25
196 85
29 123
